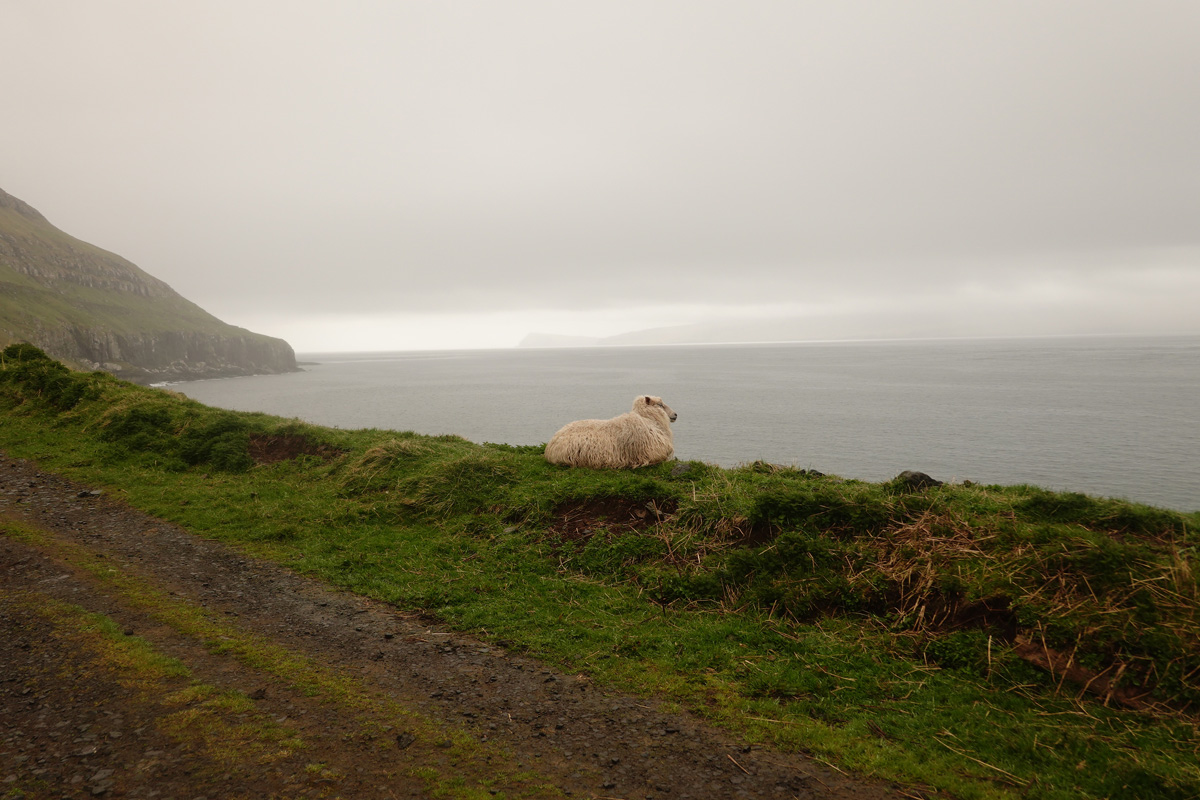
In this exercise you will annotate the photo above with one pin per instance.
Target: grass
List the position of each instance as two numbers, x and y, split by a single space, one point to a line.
28 302
980 641
54 287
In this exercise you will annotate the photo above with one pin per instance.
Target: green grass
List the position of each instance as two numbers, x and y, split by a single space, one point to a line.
85 288
978 641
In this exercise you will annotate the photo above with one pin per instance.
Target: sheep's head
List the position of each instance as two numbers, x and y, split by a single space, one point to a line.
657 401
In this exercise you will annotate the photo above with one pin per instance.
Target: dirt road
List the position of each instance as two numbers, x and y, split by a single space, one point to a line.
139 660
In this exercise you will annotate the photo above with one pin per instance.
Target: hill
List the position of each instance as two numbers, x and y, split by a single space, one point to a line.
97 311
953 639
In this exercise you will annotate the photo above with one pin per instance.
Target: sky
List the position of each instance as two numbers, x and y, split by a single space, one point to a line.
406 174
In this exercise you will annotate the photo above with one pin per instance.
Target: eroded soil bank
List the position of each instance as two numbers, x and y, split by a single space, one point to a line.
278 686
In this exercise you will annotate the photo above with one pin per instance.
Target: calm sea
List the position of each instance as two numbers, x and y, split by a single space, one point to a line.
1109 416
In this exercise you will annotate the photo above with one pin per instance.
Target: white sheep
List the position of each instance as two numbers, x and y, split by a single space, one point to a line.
637 439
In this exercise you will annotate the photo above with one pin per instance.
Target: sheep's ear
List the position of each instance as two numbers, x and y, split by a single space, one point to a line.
647 399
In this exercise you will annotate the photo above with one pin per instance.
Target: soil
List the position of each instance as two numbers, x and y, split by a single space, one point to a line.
77 726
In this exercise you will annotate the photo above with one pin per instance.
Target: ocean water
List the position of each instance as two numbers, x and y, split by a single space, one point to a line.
1109 416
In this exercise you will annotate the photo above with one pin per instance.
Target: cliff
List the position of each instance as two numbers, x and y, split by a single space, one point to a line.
95 310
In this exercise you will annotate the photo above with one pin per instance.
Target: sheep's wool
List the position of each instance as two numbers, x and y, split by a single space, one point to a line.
637 439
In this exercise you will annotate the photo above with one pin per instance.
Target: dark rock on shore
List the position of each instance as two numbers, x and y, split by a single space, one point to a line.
917 480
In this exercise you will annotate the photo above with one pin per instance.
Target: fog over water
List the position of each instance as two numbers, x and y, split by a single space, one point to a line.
373 175
1112 416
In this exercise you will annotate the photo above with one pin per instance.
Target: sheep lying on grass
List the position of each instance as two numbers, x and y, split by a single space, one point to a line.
637 439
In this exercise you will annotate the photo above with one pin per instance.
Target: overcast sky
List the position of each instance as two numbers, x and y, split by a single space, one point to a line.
394 175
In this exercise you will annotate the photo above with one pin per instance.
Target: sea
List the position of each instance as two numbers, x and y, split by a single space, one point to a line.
1112 416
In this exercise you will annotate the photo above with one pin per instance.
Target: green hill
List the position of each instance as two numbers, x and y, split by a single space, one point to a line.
960 640
95 310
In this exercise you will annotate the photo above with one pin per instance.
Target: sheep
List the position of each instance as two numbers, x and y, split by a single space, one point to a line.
637 439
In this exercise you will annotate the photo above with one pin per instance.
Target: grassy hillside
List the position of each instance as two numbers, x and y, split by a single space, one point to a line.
58 291
84 304
976 641
27 307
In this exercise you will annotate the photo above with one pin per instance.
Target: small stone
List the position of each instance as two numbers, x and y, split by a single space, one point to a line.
680 469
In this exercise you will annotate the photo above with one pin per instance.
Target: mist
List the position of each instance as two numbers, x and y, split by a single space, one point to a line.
392 176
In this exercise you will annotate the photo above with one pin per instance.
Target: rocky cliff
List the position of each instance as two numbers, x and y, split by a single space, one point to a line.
95 310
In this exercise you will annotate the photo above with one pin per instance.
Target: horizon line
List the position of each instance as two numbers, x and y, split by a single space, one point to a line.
600 344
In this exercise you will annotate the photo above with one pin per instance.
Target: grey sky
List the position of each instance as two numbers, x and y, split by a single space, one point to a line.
383 175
